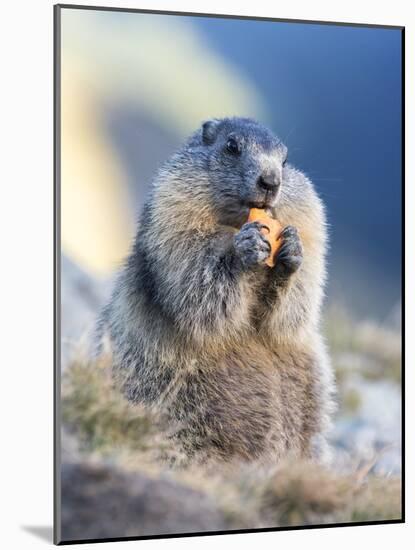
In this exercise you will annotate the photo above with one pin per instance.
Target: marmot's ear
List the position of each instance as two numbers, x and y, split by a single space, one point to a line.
210 131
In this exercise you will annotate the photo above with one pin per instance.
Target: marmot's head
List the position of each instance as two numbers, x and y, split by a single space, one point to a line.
227 167
244 162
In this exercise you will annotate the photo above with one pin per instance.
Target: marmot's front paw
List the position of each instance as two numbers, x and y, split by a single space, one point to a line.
290 255
251 246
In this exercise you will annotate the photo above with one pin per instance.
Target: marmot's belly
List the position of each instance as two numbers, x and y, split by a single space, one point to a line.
248 406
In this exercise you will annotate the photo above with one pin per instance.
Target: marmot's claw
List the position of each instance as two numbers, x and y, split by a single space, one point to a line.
251 246
290 255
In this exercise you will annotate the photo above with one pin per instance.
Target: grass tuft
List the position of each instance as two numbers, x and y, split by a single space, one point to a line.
96 412
306 494
105 425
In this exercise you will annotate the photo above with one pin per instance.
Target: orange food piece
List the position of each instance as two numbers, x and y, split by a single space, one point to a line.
272 232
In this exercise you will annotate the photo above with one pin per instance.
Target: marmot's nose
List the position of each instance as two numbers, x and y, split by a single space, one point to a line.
268 181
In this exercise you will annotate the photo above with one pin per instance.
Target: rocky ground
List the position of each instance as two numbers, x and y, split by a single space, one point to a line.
112 485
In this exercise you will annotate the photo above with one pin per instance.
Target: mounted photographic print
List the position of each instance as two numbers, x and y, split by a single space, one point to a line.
228 328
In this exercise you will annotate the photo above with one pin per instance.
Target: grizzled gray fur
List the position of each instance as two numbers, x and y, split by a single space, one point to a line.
200 330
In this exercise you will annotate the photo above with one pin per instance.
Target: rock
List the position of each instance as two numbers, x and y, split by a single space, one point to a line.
82 296
100 501
373 433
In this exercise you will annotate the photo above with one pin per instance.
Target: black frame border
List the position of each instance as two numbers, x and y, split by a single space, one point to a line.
57 8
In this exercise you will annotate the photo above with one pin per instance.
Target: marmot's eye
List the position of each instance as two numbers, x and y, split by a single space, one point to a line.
232 146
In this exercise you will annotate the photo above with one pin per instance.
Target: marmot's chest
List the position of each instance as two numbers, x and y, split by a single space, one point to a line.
248 404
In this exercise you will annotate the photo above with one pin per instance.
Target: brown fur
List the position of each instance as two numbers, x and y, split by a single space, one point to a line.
233 359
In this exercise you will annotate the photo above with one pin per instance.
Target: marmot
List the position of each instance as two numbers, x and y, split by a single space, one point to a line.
226 348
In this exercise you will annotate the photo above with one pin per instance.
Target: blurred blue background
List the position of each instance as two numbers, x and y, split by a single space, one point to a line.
334 96
137 84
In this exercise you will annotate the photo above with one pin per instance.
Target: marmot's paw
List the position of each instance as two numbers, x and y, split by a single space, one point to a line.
251 246
290 255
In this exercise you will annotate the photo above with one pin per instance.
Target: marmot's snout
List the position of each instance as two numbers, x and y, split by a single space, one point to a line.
269 181
265 188
268 185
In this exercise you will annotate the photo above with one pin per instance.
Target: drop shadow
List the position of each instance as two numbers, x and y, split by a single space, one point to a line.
44 532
